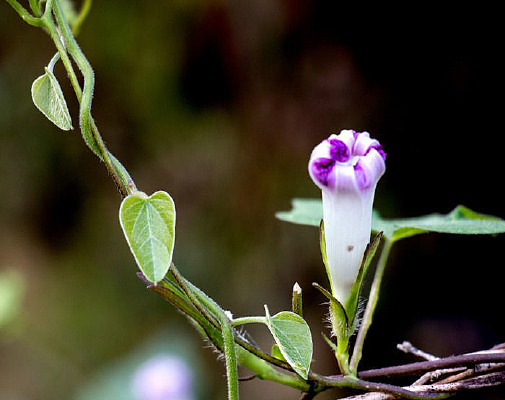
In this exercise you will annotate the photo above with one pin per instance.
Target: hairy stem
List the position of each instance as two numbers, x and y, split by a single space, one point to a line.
226 330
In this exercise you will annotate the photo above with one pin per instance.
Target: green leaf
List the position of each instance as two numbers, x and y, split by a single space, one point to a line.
303 212
292 335
352 302
276 352
322 246
12 288
149 227
48 98
69 11
461 220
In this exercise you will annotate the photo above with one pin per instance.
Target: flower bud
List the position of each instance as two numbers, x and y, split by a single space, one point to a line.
346 167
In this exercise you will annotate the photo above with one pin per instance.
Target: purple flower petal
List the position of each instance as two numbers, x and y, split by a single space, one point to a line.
362 174
379 149
339 150
321 170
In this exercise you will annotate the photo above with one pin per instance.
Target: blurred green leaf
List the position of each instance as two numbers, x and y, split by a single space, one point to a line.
149 227
68 7
292 335
11 295
116 379
48 98
461 220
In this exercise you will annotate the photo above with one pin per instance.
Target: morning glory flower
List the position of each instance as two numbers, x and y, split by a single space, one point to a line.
346 167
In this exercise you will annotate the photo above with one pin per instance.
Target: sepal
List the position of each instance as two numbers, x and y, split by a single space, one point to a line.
351 305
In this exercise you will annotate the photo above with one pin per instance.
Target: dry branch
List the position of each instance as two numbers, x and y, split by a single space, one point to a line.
445 376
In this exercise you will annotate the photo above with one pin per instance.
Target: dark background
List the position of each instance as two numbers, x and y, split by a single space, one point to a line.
220 104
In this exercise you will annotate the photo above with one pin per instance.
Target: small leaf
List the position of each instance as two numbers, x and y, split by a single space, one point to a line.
292 335
149 227
48 98
276 352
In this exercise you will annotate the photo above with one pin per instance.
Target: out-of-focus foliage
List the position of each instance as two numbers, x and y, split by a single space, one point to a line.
11 295
129 377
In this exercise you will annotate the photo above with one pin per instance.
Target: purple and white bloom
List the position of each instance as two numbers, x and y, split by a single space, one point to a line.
346 167
163 377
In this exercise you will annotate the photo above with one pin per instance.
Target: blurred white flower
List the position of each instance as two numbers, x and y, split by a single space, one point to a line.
346 167
163 377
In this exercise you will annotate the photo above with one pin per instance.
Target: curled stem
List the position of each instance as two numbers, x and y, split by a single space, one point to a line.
66 46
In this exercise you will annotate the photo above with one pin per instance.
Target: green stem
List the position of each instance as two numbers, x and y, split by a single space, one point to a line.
231 358
53 61
339 325
370 307
24 14
89 129
248 320
53 32
226 330
265 371
96 144
245 356
296 301
35 6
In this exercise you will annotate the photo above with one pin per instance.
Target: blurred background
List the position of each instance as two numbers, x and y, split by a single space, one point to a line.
220 103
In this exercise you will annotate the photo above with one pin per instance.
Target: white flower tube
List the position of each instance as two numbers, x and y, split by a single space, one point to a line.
346 167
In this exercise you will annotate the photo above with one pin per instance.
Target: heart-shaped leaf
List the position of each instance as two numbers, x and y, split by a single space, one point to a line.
149 227
48 98
292 335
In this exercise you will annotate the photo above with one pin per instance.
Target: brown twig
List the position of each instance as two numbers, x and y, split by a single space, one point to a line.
457 378
425 366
